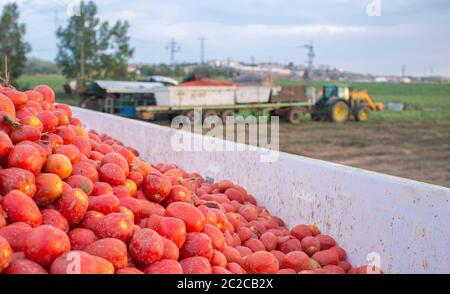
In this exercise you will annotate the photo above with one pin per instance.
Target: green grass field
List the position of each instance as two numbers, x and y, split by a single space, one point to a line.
29 81
422 101
57 82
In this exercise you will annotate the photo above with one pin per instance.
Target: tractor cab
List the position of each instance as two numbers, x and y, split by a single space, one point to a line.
331 92
333 104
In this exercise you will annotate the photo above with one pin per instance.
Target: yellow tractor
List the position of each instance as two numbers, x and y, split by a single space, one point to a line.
338 103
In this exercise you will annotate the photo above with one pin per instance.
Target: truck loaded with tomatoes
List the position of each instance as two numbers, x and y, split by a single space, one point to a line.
67 191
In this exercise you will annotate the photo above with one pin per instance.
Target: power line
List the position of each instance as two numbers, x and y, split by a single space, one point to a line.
173 47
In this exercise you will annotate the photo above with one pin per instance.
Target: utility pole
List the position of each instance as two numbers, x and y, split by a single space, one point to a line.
202 40
5 81
82 60
80 81
311 56
173 47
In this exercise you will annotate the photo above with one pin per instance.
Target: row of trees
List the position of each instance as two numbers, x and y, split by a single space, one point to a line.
183 69
87 46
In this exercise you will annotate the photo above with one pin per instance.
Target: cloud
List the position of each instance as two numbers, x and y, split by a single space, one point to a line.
128 15
248 31
341 30
292 31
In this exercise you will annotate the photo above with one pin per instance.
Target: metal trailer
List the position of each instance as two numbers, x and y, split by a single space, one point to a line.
291 111
399 224
225 101
115 97
148 100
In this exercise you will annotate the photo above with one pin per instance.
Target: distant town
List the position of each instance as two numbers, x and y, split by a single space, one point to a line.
300 72
258 70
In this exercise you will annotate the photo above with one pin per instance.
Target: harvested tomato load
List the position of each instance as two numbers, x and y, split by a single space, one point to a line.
68 194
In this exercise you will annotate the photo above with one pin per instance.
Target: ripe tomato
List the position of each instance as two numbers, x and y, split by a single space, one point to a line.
45 243
190 215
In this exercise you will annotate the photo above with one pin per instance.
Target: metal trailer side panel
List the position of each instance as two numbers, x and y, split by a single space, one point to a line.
406 222
194 96
253 94
125 87
290 94
162 96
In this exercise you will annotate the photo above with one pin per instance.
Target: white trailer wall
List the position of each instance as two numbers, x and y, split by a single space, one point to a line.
253 94
405 223
194 96
203 96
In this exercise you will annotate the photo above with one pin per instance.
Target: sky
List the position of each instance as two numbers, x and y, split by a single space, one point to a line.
365 36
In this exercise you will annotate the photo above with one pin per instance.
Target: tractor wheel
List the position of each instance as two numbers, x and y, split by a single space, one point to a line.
361 113
194 117
294 116
227 113
339 112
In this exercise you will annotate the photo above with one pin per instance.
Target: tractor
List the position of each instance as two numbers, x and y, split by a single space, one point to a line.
338 103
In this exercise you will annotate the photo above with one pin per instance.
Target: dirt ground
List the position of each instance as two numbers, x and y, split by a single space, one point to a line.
418 151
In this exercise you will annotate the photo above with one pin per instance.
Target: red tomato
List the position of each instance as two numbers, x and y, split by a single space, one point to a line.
17 179
54 218
146 246
192 217
165 267
81 238
261 262
6 254
115 225
73 204
173 229
196 265
21 208
197 244
157 188
25 157
113 250
15 234
45 243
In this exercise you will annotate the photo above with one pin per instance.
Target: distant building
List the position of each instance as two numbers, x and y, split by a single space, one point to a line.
261 68
405 80
133 70
381 79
